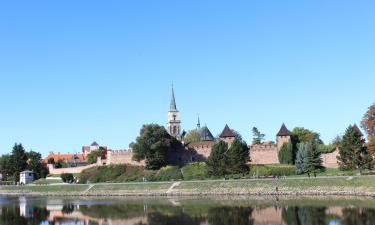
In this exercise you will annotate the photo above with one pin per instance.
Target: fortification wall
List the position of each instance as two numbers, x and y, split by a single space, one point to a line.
264 154
330 159
202 148
78 169
122 157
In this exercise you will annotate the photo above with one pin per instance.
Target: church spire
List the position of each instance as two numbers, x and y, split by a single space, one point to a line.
199 123
173 107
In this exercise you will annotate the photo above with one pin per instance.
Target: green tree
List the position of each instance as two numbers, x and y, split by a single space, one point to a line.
286 154
353 152
303 135
6 168
153 144
368 123
192 136
217 161
257 136
18 160
313 161
67 177
93 156
34 163
238 156
300 159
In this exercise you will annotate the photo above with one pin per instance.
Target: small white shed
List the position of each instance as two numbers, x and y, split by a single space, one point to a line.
26 177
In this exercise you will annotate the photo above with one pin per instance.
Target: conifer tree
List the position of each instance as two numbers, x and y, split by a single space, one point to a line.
217 161
257 136
286 154
18 160
300 159
312 162
238 156
353 152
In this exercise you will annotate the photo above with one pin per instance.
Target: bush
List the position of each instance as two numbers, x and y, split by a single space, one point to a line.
102 173
272 170
67 177
195 171
116 174
169 173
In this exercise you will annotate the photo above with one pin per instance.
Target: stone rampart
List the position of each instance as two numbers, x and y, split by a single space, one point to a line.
266 153
122 157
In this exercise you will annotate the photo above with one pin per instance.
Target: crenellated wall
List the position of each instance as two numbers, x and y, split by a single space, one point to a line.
266 153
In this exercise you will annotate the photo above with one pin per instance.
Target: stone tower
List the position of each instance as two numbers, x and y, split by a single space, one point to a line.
227 135
174 122
283 136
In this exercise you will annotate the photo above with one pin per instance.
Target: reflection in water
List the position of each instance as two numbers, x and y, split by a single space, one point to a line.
52 211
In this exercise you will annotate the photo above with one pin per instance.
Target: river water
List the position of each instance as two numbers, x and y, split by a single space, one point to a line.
187 211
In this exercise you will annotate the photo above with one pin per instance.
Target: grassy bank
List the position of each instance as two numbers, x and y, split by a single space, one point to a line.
364 185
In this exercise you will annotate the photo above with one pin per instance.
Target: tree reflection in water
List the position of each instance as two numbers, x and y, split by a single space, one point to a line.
162 212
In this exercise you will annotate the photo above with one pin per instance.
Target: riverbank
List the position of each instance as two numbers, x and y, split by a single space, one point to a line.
298 186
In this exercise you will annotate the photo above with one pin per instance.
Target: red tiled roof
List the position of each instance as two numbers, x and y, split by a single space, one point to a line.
227 132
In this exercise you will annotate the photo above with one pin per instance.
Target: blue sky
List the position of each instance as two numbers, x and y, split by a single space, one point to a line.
76 71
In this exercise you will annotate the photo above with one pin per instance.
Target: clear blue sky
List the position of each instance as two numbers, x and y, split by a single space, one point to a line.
76 71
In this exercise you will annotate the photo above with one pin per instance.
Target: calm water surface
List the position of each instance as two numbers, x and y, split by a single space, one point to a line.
186 211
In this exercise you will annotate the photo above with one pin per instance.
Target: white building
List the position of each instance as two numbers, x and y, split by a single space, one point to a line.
26 177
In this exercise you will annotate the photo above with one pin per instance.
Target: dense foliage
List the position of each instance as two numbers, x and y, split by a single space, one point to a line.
353 151
192 136
286 153
19 160
368 123
168 173
153 144
312 163
93 156
258 137
271 170
67 177
232 160
195 171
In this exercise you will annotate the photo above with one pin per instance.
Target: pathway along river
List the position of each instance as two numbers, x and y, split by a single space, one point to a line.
187 211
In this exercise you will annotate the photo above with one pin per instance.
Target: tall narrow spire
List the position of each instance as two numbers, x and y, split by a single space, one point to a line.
173 107
199 123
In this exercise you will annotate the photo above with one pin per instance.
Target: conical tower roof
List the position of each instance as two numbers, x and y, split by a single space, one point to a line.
284 131
173 107
227 132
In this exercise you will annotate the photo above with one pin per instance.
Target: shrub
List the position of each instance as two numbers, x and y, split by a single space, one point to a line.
169 173
272 170
67 177
102 173
195 171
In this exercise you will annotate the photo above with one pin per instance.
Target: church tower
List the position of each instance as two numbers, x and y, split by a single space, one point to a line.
174 122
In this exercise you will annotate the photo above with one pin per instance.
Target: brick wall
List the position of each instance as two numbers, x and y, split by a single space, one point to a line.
330 159
264 154
122 157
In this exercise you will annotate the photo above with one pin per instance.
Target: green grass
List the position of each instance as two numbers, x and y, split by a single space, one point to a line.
313 184
133 187
47 188
43 181
297 184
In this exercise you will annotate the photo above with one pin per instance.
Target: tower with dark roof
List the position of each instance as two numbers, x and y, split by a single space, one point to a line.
283 136
227 135
174 122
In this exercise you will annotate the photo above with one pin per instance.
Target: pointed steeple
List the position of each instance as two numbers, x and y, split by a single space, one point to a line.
173 107
199 123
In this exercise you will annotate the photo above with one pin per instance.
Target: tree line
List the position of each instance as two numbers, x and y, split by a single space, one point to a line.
19 160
